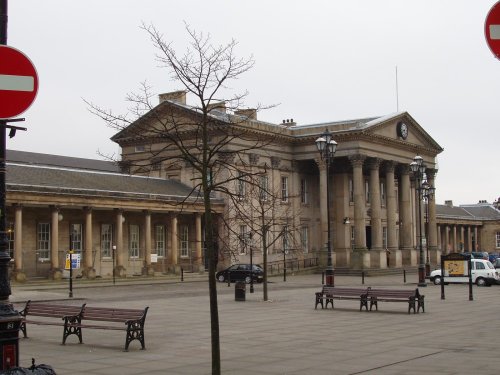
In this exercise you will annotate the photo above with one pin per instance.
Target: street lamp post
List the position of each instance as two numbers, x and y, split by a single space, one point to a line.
428 195
417 166
327 147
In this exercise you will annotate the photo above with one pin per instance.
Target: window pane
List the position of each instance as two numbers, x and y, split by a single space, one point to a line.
160 240
134 241
43 241
106 240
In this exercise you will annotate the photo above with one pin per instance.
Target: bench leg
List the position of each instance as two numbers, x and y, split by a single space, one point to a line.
319 300
421 305
72 327
135 331
329 300
373 302
411 305
22 327
363 302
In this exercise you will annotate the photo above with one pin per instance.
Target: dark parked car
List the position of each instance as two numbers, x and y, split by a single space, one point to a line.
241 272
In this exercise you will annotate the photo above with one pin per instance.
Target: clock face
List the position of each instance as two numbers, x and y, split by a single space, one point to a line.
402 130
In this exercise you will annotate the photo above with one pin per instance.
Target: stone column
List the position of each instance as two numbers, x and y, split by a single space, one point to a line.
174 243
454 245
395 259
360 258
55 271
469 238
461 246
447 249
88 269
439 238
378 256
322 206
18 273
405 212
199 240
476 238
148 269
120 270
433 241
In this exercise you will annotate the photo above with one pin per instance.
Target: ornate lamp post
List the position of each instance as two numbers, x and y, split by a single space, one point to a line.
417 166
428 195
327 147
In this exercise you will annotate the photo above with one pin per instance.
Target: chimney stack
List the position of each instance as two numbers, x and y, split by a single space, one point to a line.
250 113
175 96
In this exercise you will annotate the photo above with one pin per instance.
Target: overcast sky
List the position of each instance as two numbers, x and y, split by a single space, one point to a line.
320 60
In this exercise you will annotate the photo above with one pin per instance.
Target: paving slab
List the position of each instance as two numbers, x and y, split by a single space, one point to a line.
284 335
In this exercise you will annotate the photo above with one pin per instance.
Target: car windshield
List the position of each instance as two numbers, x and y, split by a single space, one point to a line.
489 265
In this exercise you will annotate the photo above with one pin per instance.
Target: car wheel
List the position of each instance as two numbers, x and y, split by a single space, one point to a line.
221 278
480 281
437 280
248 279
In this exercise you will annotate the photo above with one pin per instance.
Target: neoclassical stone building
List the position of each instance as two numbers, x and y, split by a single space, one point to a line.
133 216
136 225
373 206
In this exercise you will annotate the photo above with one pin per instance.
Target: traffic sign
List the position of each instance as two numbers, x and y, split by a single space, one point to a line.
492 29
18 82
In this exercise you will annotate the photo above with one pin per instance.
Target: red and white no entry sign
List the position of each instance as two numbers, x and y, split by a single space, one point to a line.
18 82
492 29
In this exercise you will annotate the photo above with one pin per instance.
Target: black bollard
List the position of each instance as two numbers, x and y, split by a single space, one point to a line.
182 274
404 276
323 278
363 277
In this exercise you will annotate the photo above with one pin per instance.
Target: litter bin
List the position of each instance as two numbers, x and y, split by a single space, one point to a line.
240 291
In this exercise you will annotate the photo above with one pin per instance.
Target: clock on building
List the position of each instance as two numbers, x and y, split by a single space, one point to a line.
402 130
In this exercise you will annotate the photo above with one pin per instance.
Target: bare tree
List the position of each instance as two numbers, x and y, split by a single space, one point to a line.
268 212
209 138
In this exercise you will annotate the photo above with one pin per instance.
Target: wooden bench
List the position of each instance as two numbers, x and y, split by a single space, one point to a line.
63 314
131 320
414 299
329 293
74 318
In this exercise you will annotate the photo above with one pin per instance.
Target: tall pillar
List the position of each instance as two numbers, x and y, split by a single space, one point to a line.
469 238
88 270
433 240
174 241
454 245
439 238
148 269
360 258
199 240
447 244
409 254
462 239
378 256
55 271
476 239
120 269
323 214
18 273
395 259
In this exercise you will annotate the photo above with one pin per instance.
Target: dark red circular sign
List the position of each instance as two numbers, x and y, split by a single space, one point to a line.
18 82
492 29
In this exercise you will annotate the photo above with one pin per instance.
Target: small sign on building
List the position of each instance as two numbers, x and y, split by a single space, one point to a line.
76 261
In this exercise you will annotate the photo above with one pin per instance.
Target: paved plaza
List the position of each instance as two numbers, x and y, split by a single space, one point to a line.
285 335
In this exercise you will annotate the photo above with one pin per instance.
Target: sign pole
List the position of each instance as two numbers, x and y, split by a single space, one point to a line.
10 319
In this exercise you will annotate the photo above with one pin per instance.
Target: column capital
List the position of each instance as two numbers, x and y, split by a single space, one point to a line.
404 168
374 163
389 166
320 163
357 160
88 209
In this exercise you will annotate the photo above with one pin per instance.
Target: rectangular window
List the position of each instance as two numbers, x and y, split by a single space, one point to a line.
160 240
264 187
133 241
43 240
106 240
241 186
284 189
242 239
184 241
304 199
497 245
75 231
382 193
304 239
351 190
10 239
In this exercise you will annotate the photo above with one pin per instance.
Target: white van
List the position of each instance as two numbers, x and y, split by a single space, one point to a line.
483 273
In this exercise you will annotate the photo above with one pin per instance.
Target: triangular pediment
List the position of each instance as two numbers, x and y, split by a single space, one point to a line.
403 129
